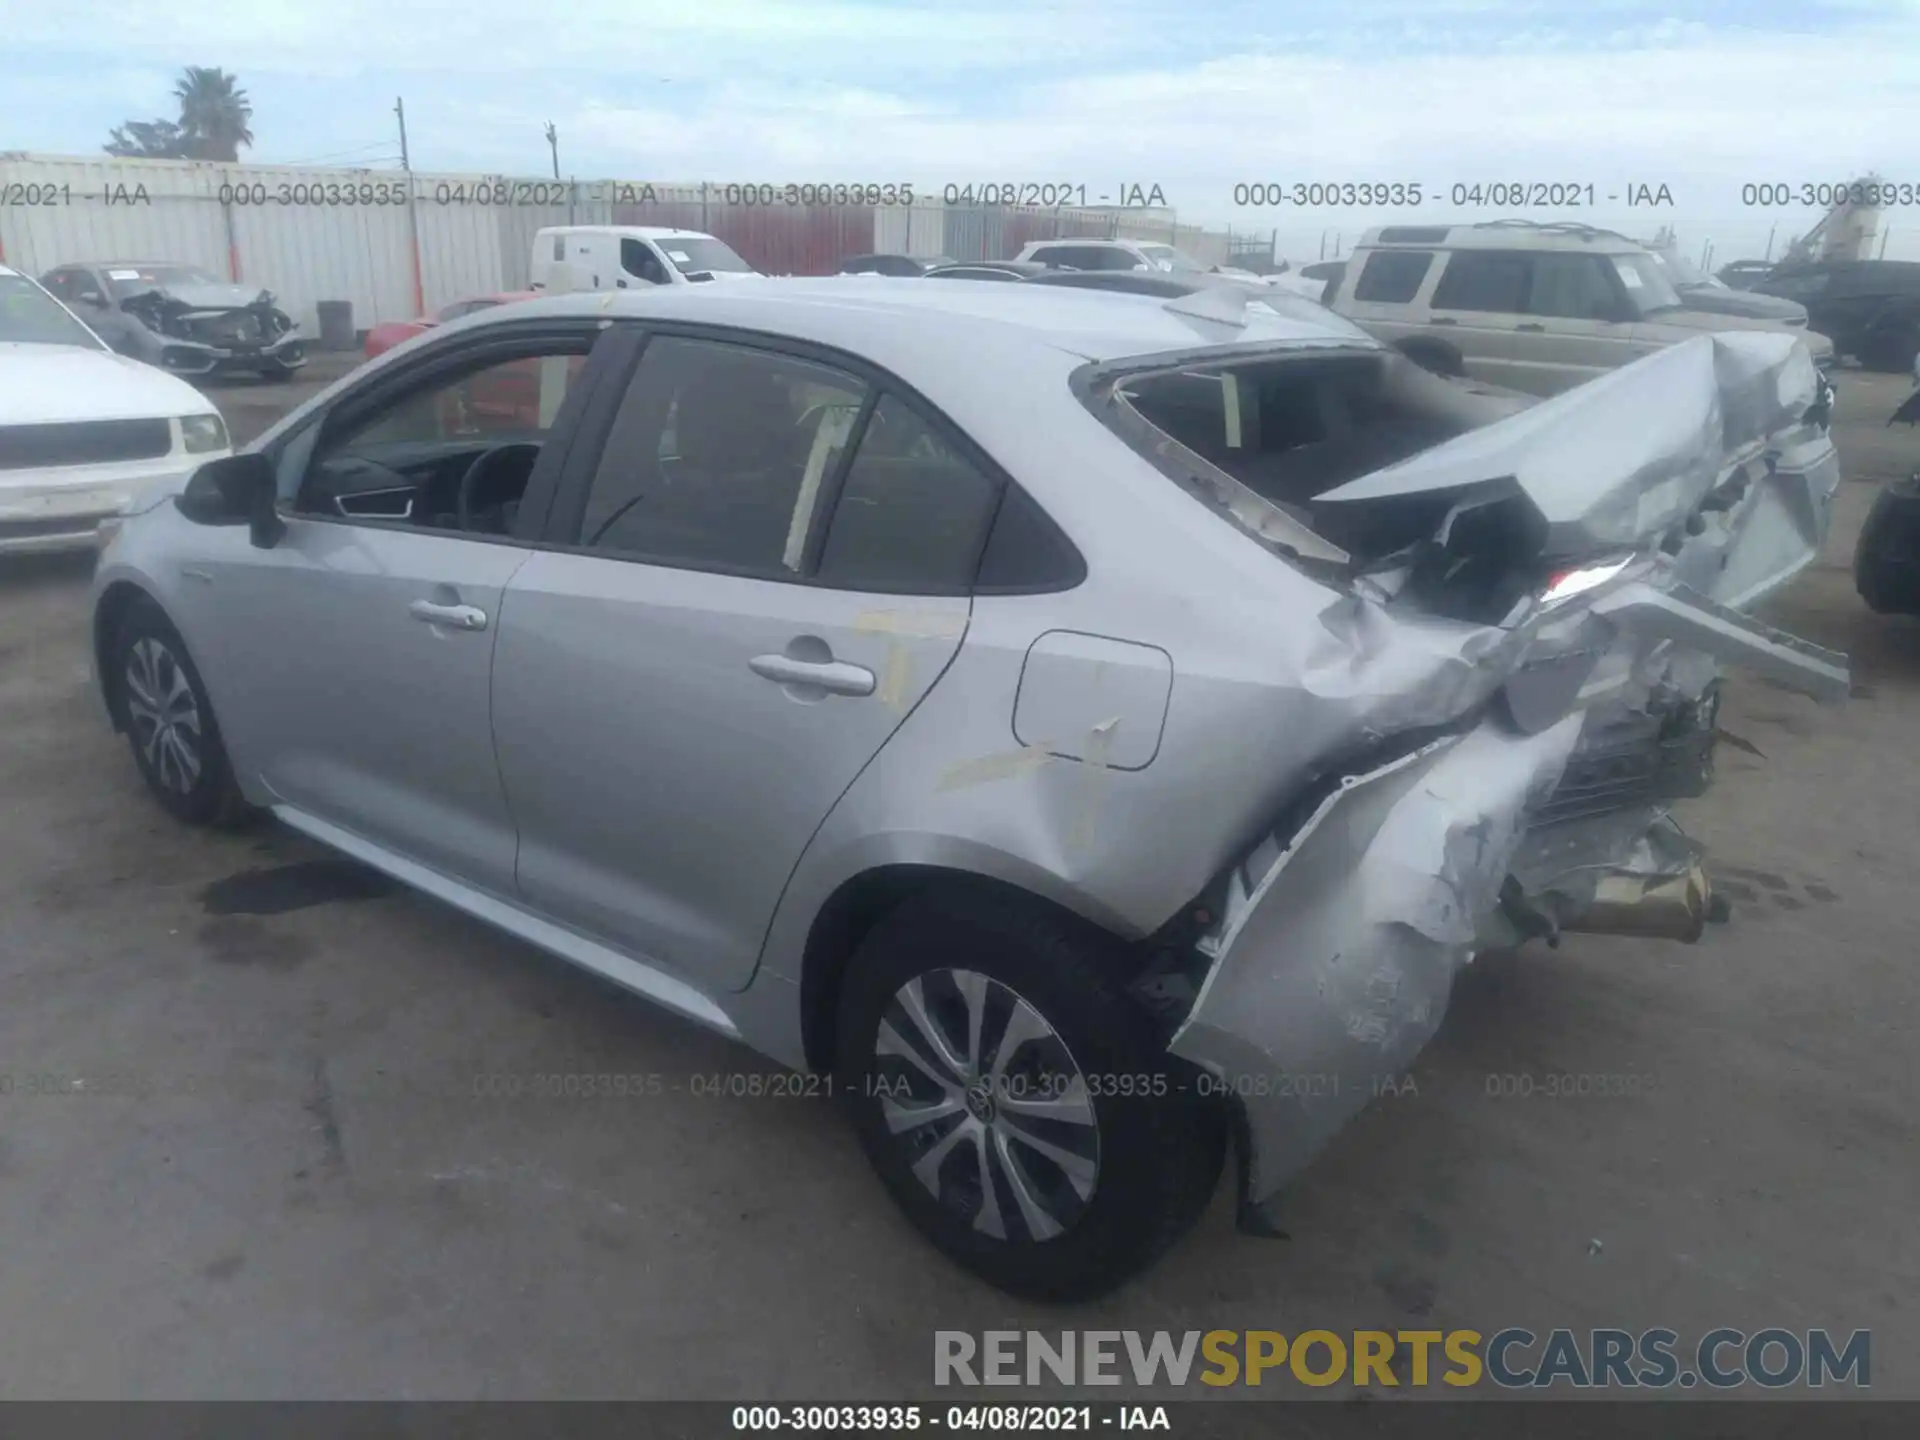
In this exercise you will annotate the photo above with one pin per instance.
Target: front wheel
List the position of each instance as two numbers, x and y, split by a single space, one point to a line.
169 721
1019 1107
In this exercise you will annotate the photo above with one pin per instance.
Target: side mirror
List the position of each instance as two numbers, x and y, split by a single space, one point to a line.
235 490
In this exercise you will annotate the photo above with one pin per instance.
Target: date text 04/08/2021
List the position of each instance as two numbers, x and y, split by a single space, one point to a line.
993 1419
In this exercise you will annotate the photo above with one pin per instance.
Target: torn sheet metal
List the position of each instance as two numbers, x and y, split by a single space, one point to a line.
1630 454
1333 970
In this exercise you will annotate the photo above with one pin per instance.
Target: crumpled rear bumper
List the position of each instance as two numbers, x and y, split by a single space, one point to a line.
1332 966
1331 963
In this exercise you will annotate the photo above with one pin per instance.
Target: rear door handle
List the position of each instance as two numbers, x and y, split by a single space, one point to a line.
456 617
836 677
1530 326
1442 320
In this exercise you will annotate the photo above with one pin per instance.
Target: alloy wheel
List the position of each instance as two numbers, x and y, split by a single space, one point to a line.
988 1106
164 715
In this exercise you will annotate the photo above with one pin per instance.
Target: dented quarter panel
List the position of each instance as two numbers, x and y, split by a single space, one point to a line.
1334 970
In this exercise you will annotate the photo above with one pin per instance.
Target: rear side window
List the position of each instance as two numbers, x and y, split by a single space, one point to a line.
912 513
1493 280
1392 277
717 457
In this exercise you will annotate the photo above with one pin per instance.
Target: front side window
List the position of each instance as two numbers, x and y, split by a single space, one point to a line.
1490 280
30 316
1572 287
408 459
1177 262
637 259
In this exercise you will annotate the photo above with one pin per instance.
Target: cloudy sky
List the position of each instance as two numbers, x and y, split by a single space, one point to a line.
1192 95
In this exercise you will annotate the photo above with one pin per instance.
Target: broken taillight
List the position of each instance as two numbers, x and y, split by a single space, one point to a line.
1577 580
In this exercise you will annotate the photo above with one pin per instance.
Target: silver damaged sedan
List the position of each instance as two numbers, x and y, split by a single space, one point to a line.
1088 731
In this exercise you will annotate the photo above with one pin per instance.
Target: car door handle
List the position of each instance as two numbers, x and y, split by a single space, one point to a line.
836 677
457 617
1531 326
1442 320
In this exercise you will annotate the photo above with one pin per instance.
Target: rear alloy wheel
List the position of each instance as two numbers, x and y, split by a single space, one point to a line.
169 722
985 1100
1019 1106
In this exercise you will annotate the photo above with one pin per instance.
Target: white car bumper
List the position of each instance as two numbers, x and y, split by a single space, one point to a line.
62 508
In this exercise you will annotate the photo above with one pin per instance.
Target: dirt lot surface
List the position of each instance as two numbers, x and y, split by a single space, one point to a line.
312 1198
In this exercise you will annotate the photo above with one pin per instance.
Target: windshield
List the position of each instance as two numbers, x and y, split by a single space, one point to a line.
1646 282
1166 257
1682 271
702 252
30 316
128 280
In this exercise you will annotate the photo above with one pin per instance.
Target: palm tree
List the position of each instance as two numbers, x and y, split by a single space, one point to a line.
214 112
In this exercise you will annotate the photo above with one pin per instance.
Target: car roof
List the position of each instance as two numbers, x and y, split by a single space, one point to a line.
1502 235
934 325
644 232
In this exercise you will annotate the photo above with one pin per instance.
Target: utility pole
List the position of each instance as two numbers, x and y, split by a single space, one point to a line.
553 144
413 216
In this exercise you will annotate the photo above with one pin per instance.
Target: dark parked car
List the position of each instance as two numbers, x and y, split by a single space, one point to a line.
1128 282
1870 309
1744 274
1700 291
900 265
988 270
1886 560
180 318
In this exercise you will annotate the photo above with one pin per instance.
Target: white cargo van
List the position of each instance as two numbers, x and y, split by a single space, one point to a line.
617 257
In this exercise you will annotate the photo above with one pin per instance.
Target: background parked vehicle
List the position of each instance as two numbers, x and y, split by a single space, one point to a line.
617 257
905 266
1886 558
989 270
1742 274
1701 291
180 317
1154 257
85 433
1541 308
1870 308
382 338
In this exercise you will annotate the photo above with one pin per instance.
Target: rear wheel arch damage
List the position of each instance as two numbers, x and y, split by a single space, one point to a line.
863 901
962 1002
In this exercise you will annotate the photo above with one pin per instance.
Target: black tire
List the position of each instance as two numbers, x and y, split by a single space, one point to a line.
152 674
1431 355
1891 349
1158 1151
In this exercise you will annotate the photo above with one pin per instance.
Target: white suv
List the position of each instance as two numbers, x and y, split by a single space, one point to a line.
1537 307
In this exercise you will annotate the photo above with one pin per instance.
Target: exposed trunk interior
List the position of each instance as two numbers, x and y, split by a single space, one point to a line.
1295 427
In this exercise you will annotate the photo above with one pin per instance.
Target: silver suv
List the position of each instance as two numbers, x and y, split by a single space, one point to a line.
1538 307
